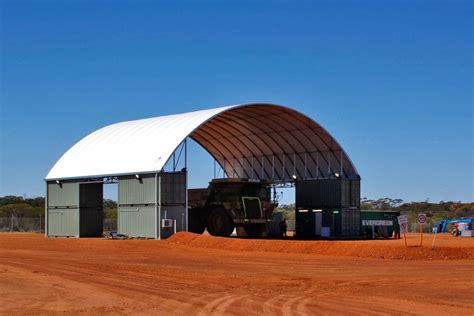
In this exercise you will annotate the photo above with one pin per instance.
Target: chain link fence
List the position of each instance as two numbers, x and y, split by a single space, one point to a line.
21 224
109 224
36 224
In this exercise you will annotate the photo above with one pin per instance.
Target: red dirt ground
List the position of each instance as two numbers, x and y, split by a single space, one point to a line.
192 274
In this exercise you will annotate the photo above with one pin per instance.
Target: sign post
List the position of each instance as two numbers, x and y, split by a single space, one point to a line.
421 221
403 223
435 230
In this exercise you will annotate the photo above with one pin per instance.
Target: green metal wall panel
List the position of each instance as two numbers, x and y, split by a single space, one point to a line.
66 194
379 215
137 221
383 221
63 222
133 191
139 215
63 209
136 209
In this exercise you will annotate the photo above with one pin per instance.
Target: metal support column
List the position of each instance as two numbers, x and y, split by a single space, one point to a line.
305 165
157 220
186 182
341 164
283 168
186 153
174 161
329 165
233 167
317 165
46 212
273 167
252 167
294 164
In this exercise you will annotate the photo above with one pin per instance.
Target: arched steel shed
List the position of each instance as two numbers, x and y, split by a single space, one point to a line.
262 141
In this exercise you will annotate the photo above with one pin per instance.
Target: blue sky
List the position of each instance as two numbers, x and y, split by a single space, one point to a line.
390 80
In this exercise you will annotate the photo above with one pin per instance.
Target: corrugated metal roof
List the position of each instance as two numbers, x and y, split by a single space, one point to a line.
249 141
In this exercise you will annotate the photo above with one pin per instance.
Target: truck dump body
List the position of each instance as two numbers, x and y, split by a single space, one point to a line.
197 197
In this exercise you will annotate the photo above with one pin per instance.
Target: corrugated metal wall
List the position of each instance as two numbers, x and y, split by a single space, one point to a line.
63 222
139 216
173 188
63 209
173 201
63 195
350 222
137 212
328 193
137 192
137 221
74 209
338 198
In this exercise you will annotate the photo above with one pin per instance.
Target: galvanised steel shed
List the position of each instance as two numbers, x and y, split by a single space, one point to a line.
253 141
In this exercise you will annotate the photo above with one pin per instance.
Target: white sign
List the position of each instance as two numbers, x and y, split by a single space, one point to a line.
402 219
403 222
404 228
421 218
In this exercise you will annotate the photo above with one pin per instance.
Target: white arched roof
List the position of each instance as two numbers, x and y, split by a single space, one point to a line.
263 141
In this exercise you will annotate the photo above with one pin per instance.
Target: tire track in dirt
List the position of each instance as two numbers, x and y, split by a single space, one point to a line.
220 306
199 301
298 303
273 305
282 304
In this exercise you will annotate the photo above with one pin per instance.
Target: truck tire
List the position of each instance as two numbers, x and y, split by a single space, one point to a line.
219 223
255 230
195 222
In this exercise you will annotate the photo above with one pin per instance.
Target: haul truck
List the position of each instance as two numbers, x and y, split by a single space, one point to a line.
229 203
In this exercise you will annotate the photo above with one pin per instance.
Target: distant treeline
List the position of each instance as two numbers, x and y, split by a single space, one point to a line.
34 207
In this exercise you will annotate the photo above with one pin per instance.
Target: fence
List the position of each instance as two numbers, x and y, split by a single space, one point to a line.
36 224
21 224
110 224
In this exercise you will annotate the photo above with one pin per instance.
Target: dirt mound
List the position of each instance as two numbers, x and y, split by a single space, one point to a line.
382 249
